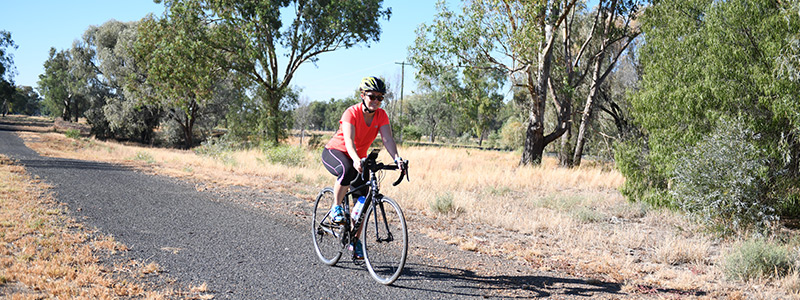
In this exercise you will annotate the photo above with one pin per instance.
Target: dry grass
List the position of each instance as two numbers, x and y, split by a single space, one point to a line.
44 254
569 220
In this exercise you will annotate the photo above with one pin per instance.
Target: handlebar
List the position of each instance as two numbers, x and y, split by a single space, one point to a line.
369 164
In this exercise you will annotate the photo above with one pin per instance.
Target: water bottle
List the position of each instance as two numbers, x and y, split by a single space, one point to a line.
358 206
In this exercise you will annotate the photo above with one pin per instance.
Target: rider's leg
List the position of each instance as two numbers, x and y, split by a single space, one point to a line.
339 191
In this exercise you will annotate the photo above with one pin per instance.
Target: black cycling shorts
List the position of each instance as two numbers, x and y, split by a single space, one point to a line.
341 166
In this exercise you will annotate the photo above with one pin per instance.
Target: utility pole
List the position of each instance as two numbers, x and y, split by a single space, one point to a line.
402 82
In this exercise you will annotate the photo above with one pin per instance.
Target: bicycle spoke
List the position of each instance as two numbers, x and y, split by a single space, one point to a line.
386 241
326 234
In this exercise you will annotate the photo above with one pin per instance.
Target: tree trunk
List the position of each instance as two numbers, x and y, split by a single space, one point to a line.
188 127
565 153
586 115
594 86
533 147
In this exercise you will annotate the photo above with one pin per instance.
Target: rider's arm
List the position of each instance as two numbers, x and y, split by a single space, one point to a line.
349 132
388 141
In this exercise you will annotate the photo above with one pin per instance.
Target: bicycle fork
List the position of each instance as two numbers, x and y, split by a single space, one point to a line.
389 237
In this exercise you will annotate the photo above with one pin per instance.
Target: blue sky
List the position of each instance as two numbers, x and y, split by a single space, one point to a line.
37 25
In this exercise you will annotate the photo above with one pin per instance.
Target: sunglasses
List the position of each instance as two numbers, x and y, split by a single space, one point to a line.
375 97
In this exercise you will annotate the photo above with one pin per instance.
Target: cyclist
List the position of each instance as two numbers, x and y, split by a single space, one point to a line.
358 128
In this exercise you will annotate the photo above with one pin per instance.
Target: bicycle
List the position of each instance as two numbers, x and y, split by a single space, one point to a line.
384 236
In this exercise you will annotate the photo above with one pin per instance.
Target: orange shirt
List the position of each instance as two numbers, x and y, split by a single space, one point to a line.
364 135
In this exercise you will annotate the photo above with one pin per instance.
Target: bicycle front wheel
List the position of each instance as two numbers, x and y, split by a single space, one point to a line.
385 240
327 235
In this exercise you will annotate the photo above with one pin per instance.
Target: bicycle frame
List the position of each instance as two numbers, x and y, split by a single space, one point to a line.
372 198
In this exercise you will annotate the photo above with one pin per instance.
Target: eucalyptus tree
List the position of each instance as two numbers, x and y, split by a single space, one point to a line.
430 111
6 70
509 36
114 110
253 40
25 101
591 43
66 81
180 69
617 29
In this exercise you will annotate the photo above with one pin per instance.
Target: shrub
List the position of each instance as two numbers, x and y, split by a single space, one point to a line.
723 181
512 135
758 259
219 149
144 156
412 133
285 155
73 133
442 204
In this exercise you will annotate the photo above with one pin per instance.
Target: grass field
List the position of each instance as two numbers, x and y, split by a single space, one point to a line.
567 220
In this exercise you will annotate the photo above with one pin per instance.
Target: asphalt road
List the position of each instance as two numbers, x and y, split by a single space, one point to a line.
244 252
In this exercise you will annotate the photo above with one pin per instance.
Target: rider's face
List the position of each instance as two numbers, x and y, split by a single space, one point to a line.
372 99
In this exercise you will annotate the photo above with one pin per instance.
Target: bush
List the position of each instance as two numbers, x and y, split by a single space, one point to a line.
723 181
219 149
285 155
144 156
73 133
758 259
442 204
412 133
643 181
512 135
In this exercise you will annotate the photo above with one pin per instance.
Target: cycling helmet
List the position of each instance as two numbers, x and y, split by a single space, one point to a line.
372 83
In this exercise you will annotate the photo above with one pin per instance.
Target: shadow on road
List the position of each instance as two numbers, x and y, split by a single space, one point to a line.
525 286
51 163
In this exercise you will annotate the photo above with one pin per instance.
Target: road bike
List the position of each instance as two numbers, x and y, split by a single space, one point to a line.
384 235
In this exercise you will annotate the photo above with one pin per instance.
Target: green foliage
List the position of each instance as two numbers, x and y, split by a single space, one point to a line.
757 258
6 58
723 181
73 133
25 101
249 36
181 71
443 204
64 83
6 70
512 135
431 113
286 155
412 133
705 62
115 110
219 149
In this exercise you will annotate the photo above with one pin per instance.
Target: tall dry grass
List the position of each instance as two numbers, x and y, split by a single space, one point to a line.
552 218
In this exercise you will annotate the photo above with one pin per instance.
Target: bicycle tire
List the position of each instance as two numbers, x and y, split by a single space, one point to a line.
326 234
385 251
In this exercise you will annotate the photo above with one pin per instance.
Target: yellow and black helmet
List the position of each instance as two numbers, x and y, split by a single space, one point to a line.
372 83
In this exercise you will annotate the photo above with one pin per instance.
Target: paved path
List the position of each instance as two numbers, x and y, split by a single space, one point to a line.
244 252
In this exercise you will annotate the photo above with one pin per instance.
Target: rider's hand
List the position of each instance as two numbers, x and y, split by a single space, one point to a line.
400 163
357 165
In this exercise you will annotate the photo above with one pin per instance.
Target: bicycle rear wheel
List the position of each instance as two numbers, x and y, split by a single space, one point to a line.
326 234
385 240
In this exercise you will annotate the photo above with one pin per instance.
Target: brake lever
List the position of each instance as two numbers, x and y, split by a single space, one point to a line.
403 171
